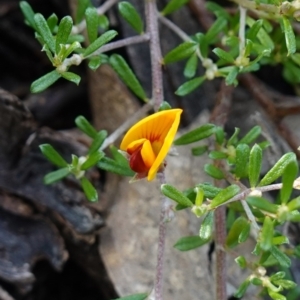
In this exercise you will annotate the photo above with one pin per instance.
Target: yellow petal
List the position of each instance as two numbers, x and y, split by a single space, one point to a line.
153 128
134 145
165 147
148 154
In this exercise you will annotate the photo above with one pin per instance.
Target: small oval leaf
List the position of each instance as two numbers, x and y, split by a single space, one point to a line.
278 169
196 135
255 161
225 195
174 194
213 171
53 156
121 67
190 86
206 227
99 42
56 175
44 82
189 243
89 190
63 32
182 51
241 160
131 16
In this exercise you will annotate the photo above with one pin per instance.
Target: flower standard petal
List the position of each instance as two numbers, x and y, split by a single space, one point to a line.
165 147
153 127
149 141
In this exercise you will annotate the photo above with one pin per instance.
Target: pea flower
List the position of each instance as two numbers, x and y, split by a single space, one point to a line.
147 142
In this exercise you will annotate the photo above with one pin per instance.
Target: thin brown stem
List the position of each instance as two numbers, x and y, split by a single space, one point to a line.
123 43
220 238
219 117
155 52
166 215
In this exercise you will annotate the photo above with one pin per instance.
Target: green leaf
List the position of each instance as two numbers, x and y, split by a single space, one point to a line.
103 22
191 66
121 67
63 32
44 31
241 261
206 227
28 13
98 141
82 5
255 162
283 260
99 42
278 169
56 175
224 55
96 61
189 242
231 76
91 17
251 136
164 106
218 10
213 171
220 135
53 156
286 284
52 22
224 195
71 77
276 296
197 151
44 82
262 35
242 289
256 281
113 166
142 296
190 85
67 49
118 156
209 190
215 29
217 155
262 204
288 177
233 139
131 16
89 190
279 240
294 204
196 135
241 160
182 51
277 276
266 235
172 6
92 160
289 34
174 194
253 31
238 228
85 126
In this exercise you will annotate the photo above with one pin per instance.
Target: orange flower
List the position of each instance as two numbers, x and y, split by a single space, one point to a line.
149 140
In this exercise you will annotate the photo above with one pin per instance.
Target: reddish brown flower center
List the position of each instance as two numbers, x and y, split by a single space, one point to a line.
136 162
